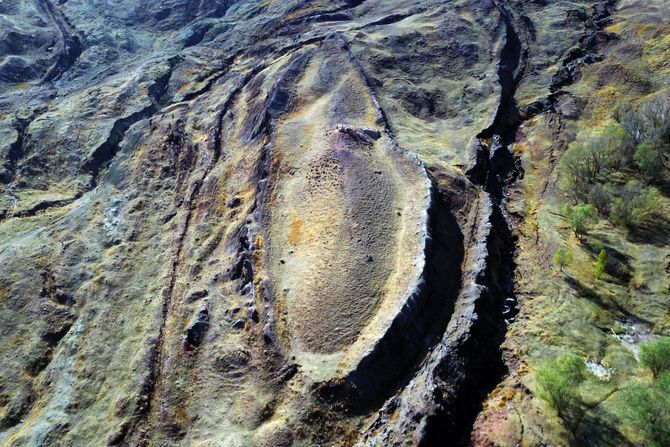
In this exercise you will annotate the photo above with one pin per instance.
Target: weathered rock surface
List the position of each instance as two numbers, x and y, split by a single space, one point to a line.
262 223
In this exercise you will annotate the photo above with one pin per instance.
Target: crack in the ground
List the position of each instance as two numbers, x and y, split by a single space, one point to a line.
335 14
101 156
16 149
72 47
211 81
104 153
479 355
496 169
576 58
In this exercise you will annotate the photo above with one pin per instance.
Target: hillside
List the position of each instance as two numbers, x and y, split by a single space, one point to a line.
334 223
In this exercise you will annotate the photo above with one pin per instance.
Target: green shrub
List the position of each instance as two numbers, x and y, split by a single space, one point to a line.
581 217
562 258
611 143
648 159
587 161
656 356
600 197
649 121
647 408
559 380
584 163
576 173
647 128
636 205
601 262
620 212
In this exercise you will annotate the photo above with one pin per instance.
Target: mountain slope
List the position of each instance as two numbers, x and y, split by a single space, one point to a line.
309 223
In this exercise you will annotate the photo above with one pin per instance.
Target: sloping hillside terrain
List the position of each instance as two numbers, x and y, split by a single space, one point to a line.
334 223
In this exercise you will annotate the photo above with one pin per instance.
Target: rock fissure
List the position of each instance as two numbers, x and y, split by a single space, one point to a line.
478 355
70 43
498 305
105 153
584 53
16 150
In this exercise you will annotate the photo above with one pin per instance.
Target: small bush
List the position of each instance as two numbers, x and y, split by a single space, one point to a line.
647 128
656 356
600 197
581 217
562 258
636 205
647 408
650 121
648 160
576 173
601 262
559 380
620 213
612 143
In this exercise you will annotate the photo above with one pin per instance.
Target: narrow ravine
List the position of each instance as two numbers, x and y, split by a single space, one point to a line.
495 171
